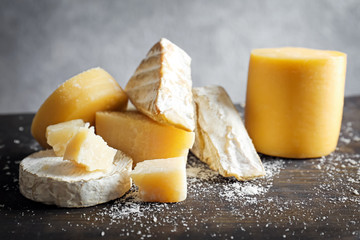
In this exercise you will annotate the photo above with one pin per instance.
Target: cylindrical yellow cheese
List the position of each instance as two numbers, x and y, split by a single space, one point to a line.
294 101
80 97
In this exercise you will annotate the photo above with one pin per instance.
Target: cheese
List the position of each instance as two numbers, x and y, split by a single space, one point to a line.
161 180
78 98
221 139
46 178
89 150
294 101
142 138
58 135
161 86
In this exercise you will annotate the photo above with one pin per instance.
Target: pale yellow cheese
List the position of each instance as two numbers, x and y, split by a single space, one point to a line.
161 180
89 150
79 98
161 86
142 138
58 135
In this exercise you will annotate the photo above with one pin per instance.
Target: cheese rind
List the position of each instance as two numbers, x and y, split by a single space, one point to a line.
89 150
58 135
141 137
46 178
294 101
161 180
221 139
78 98
161 86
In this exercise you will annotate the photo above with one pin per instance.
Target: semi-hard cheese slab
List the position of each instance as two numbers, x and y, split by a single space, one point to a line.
221 139
161 86
46 178
142 138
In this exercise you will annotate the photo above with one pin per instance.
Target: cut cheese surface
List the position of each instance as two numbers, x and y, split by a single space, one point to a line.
89 150
78 98
295 100
161 180
221 139
46 178
58 135
142 138
161 86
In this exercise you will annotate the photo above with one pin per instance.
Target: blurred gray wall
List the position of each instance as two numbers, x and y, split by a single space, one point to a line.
43 43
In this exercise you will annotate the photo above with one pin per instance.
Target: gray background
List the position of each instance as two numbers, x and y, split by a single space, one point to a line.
43 43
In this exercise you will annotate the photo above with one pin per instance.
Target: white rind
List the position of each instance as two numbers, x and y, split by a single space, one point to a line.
46 178
161 86
221 139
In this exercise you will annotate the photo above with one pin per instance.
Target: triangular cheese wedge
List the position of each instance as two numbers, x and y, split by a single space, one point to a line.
161 86
221 139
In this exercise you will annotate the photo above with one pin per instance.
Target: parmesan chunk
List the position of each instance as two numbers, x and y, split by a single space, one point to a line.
89 150
161 180
58 135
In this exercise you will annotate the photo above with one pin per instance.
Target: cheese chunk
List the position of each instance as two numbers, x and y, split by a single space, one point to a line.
89 150
142 138
221 139
46 178
58 135
161 180
161 86
79 98
294 101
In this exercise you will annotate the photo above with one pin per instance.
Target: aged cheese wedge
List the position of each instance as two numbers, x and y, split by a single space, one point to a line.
79 98
141 137
221 139
161 86
46 178
89 150
58 135
161 180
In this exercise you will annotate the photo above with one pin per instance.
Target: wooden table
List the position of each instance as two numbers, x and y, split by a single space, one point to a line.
308 199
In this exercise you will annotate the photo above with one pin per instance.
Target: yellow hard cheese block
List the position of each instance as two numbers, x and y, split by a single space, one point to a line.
79 98
89 150
58 135
161 180
142 138
294 101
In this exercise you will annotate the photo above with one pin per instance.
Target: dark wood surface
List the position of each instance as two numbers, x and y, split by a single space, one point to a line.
299 199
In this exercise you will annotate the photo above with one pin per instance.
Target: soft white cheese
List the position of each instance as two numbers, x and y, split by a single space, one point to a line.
46 178
161 86
221 139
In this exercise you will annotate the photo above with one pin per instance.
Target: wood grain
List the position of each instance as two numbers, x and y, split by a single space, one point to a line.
308 199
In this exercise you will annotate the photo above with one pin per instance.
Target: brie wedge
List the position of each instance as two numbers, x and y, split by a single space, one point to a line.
221 139
46 178
161 86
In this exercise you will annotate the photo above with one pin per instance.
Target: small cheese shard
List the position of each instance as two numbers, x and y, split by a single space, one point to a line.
294 101
161 180
89 150
141 137
46 178
79 98
161 86
221 139
58 135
